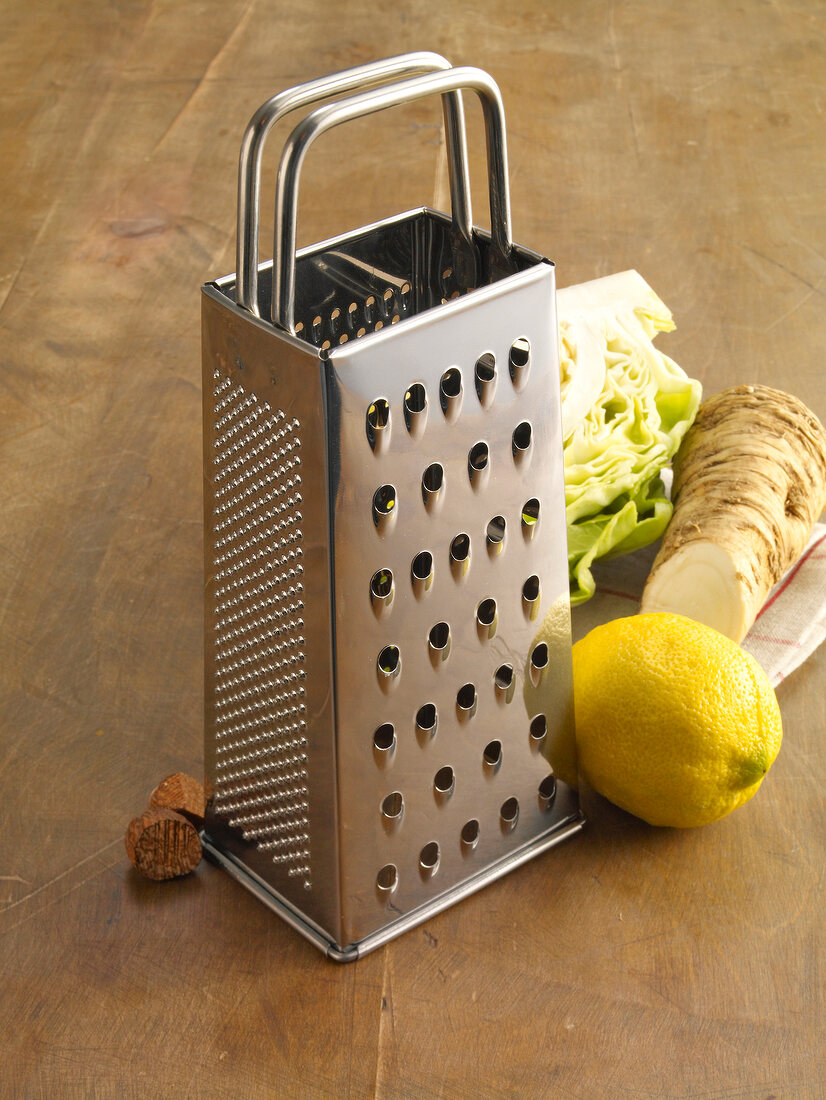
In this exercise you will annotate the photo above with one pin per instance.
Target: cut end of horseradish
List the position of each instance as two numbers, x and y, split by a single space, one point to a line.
700 581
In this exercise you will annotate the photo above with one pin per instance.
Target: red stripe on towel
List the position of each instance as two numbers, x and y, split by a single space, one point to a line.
773 641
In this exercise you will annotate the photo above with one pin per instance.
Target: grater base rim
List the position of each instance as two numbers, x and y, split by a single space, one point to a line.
274 901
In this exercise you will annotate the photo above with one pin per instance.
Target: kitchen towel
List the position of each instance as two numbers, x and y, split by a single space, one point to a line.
790 626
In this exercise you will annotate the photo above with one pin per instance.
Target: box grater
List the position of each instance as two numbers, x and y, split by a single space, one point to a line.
388 686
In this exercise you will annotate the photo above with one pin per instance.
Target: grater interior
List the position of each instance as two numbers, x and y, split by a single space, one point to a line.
397 268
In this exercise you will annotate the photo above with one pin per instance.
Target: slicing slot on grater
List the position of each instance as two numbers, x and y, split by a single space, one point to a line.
387 649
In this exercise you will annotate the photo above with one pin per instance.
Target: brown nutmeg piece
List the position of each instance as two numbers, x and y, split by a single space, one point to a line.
183 794
162 844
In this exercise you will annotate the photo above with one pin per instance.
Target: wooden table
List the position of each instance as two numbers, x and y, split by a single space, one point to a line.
685 140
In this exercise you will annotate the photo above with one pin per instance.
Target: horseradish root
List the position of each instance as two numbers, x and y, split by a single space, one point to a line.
749 485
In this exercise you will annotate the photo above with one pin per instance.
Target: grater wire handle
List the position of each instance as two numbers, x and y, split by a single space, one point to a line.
348 80
365 103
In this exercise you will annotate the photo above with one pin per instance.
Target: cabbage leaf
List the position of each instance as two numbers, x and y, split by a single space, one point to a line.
625 409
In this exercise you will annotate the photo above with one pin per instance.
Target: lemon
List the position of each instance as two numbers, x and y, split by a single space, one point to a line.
674 722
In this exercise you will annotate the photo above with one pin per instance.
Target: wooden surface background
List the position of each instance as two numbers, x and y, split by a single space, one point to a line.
686 140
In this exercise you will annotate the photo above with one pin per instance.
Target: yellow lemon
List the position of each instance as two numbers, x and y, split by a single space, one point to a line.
674 722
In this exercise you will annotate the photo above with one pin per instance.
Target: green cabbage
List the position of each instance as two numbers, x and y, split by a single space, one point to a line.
625 409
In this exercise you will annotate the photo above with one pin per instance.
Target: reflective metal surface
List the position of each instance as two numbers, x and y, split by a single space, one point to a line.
378 99
269 749
350 952
486 687
388 666
275 108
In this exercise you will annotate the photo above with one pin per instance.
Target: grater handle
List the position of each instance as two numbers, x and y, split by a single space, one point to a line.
348 80
365 103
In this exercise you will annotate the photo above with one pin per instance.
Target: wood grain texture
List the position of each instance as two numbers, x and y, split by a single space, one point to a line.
685 140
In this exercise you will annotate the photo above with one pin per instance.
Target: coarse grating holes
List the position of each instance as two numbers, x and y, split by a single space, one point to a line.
470 835
485 378
539 656
444 782
388 666
486 612
392 303
433 477
539 662
509 814
478 455
538 727
530 589
492 755
460 555
504 681
466 701
384 740
378 422
415 408
432 483
384 499
530 517
427 720
378 413
486 618
421 572
389 659
477 463
519 361
261 747
460 547
384 737
353 321
531 592
387 879
384 506
392 807
503 677
547 792
429 859
381 583
521 440
382 589
438 642
495 535
450 392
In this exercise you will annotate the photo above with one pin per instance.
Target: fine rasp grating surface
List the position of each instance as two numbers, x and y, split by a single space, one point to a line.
261 778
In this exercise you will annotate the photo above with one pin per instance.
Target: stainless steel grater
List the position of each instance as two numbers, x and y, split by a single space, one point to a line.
388 656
